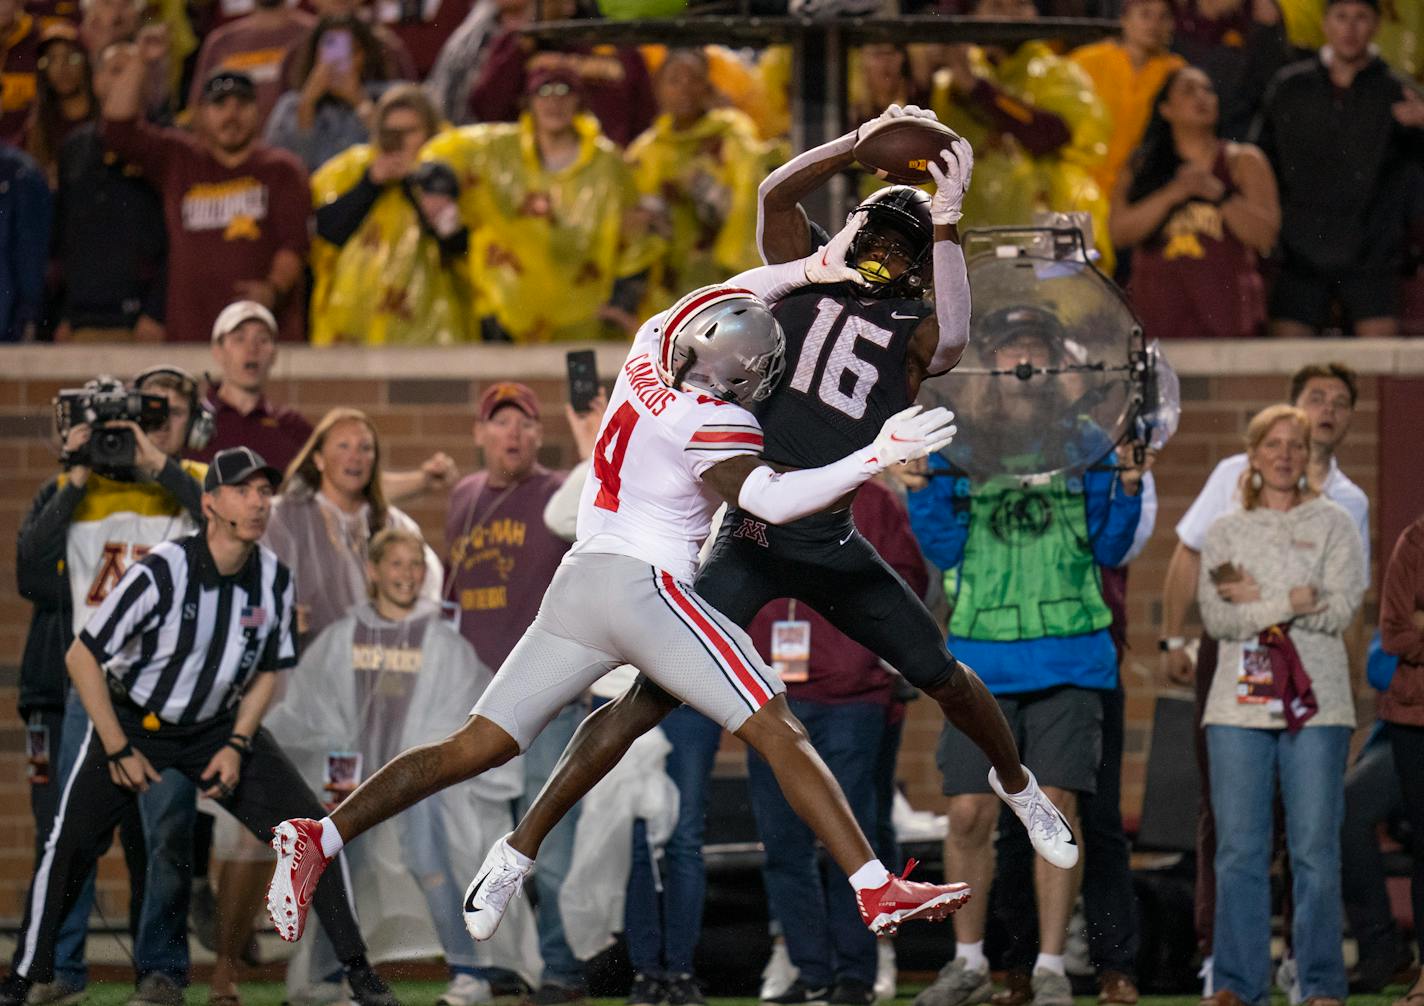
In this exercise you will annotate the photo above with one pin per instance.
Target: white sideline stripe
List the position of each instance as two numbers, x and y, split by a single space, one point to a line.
46 864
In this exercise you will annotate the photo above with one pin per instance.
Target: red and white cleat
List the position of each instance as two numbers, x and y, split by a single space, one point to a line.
300 865
899 900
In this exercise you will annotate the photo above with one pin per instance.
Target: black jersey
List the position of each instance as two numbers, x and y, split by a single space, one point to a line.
845 373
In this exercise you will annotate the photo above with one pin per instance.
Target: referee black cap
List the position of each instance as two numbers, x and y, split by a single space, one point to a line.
235 466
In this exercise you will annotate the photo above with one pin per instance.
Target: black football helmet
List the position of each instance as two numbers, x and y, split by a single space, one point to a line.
897 223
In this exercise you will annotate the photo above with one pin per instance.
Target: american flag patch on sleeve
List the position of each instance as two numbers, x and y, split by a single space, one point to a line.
726 437
252 618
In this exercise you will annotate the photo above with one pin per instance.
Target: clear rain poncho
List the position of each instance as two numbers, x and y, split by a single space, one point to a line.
375 687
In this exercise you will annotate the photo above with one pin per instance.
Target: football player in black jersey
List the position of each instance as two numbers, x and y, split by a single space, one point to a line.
855 354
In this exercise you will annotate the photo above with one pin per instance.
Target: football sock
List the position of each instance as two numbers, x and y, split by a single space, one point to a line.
1050 962
972 954
870 876
519 859
331 842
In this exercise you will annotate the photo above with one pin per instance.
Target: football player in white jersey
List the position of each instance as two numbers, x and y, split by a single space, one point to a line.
675 442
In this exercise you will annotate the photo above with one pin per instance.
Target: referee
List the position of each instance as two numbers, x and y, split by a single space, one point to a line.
176 669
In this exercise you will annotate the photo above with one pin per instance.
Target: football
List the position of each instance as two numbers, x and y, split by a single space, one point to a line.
900 150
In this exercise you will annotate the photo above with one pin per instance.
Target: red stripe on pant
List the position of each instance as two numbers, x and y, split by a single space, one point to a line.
718 641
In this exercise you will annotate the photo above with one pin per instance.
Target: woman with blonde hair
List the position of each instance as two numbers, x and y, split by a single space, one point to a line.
1281 579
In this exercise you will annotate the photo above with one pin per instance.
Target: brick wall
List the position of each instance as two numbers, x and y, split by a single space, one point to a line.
422 401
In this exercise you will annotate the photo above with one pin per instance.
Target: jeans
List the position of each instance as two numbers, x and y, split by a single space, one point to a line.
1372 796
166 812
427 853
825 936
561 967
663 931
1408 745
1245 767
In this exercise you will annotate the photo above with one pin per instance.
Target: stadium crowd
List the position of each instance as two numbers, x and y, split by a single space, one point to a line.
390 173
400 173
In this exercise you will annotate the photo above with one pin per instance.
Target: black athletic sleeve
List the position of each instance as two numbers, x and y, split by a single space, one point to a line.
340 218
39 554
184 487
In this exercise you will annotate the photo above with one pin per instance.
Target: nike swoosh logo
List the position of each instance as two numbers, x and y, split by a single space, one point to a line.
904 317
846 538
470 898
902 440
1072 839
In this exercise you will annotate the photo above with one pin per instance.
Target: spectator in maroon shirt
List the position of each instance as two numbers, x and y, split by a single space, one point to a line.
245 347
235 209
19 54
65 99
613 82
258 45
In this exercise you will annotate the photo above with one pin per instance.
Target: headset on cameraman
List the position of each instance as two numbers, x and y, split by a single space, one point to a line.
201 421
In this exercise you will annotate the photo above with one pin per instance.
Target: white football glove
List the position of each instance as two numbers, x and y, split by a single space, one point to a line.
894 112
828 264
951 182
913 434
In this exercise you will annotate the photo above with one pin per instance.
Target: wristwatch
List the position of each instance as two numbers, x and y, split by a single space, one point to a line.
1170 643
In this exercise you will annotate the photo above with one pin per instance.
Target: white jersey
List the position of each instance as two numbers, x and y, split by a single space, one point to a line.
644 496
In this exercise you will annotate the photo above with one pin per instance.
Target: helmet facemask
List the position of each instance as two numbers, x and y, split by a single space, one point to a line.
889 259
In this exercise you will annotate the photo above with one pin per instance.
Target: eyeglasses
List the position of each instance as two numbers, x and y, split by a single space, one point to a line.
73 59
554 89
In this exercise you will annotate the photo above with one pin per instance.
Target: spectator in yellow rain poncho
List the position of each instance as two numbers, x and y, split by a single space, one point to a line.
557 251
697 169
1037 126
389 262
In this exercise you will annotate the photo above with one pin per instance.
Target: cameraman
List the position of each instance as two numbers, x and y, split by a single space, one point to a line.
84 529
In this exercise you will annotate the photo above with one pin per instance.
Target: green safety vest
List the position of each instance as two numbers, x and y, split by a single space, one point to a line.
1028 570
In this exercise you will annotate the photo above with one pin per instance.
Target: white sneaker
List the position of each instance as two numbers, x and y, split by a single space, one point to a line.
779 974
466 990
886 976
1288 980
501 877
1048 830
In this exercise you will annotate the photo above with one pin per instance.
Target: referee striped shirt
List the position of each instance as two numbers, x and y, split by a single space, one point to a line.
184 640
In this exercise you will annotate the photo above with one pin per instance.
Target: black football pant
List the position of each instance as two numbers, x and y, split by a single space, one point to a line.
823 561
269 791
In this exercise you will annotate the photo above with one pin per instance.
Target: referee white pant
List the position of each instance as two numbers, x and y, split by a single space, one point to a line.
603 610
269 791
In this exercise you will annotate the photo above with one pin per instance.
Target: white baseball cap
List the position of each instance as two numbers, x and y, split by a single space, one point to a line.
238 312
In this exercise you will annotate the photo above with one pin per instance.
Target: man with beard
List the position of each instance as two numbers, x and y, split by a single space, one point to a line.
1030 614
235 209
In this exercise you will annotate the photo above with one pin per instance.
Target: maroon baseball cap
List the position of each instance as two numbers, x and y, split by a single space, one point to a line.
497 396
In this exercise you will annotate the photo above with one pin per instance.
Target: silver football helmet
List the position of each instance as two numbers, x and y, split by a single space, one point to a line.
724 341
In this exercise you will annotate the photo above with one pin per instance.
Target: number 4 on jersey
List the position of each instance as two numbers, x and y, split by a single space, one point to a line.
608 455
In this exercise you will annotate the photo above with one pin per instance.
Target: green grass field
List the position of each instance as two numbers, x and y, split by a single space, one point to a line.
425 994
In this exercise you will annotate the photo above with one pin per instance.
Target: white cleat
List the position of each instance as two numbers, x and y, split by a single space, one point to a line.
1048 829
501 877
